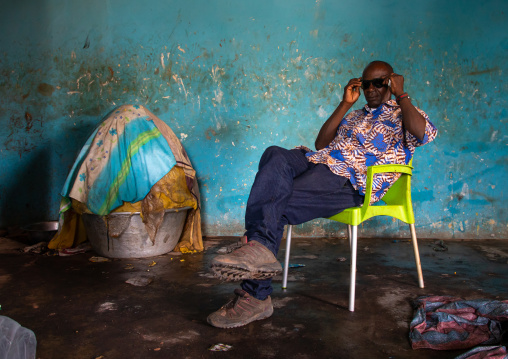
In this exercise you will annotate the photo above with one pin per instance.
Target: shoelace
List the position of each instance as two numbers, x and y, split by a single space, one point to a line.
238 295
248 250
233 247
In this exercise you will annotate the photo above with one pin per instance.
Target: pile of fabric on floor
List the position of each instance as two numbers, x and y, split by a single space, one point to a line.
448 323
133 162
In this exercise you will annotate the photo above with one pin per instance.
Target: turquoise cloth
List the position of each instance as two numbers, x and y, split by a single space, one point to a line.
120 162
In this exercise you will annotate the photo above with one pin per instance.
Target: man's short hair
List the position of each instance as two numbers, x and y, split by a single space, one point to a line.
379 62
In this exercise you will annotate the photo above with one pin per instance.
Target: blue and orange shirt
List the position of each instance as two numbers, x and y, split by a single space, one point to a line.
371 136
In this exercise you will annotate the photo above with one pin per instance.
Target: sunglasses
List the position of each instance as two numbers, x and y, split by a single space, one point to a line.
378 83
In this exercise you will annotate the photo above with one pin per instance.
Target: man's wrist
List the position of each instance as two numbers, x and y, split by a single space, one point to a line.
402 96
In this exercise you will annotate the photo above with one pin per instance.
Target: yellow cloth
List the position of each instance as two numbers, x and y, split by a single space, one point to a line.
72 231
170 192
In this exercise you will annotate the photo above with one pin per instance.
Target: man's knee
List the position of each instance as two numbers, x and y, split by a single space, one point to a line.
273 153
274 150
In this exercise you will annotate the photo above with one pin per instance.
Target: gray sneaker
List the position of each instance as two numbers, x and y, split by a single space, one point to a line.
251 261
241 311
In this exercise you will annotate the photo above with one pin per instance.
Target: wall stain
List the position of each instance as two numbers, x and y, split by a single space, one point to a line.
488 198
29 121
209 133
18 124
87 42
20 146
483 71
45 89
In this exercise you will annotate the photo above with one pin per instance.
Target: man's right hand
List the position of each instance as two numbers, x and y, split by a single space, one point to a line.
329 129
352 91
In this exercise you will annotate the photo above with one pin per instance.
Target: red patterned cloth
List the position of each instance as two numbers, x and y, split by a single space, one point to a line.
447 323
488 352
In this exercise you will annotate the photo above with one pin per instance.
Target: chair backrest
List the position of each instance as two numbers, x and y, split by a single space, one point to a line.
397 199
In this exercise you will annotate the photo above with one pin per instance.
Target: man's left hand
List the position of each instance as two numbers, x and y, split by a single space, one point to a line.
396 84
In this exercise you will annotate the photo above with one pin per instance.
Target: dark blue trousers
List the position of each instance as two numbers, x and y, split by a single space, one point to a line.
288 189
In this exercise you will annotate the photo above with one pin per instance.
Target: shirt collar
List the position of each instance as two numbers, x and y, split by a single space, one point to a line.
389 103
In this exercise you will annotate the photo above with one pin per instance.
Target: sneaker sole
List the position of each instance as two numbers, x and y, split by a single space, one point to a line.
232 273
260 316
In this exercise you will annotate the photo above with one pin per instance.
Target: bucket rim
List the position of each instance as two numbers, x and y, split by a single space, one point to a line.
134 213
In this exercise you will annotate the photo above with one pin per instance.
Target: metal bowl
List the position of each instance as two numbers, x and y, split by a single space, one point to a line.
41 231
123 235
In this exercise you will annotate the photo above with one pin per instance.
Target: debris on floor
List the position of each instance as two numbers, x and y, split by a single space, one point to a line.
186 250
440 246
38 248
140 280
175 254
107 306
281 302
294 265
97 259
306 256
220 347
82 248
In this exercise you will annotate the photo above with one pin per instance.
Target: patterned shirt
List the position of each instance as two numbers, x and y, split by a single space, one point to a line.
371 136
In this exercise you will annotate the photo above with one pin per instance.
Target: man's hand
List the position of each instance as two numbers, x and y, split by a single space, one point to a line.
396 84
329 128
413 121
352 91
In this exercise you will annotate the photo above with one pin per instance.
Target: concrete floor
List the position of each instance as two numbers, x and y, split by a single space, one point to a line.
83 309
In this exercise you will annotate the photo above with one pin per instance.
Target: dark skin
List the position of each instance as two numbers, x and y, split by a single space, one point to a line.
413 121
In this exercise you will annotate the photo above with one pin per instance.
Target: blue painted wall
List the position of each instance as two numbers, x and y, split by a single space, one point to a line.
233 77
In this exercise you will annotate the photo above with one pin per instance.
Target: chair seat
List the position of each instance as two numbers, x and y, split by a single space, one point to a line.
354 216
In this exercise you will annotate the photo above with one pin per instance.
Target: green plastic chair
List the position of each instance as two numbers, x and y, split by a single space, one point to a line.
398 205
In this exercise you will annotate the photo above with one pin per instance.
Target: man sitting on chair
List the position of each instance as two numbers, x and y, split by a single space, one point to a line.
298 185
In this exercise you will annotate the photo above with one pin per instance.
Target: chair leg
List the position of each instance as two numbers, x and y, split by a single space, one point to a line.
417 255
352 281
286 260
349 235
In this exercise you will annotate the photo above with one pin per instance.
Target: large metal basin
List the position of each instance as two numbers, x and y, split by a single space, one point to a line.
123 235
41 231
